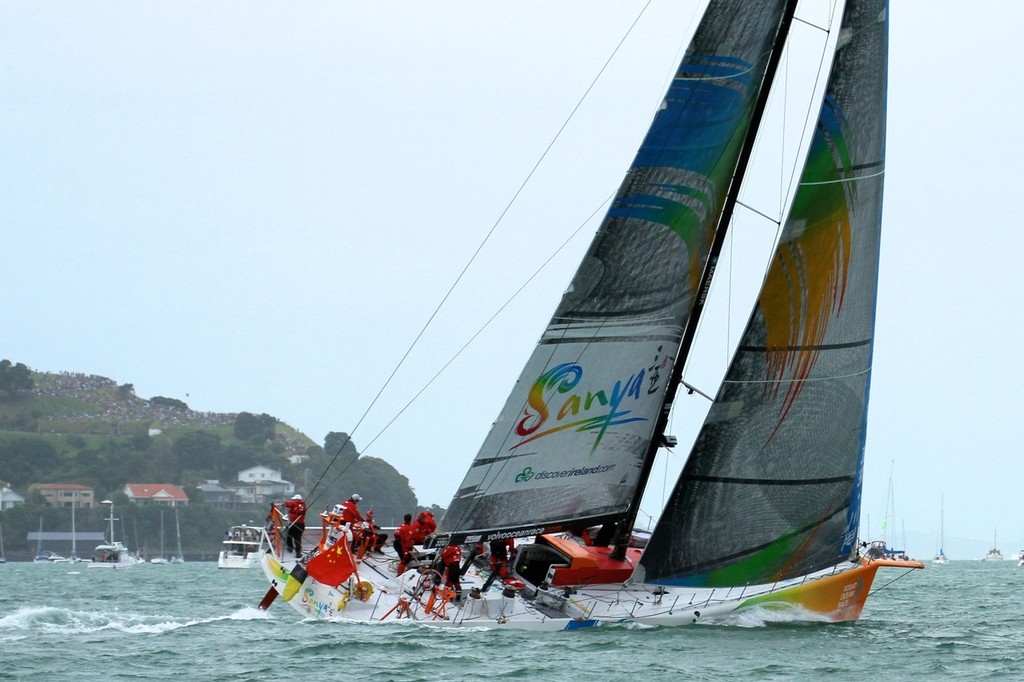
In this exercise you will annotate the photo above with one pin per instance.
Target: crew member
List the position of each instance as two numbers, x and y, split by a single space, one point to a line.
423 526
451 559
296 524
501 552
350 510
404 543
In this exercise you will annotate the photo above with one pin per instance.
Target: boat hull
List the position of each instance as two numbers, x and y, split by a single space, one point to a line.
375 594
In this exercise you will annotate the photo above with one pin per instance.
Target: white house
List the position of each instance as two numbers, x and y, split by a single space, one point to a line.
261 485
9 498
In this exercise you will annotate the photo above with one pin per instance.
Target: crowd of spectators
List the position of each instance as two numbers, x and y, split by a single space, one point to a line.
117 404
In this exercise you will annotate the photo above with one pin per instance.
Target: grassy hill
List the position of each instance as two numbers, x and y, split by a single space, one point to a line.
87 429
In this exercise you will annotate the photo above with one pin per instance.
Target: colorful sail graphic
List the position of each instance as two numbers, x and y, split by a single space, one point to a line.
771 489
568 446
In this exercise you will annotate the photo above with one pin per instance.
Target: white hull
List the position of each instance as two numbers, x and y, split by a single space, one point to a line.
236 560
243 547
376 594
113 555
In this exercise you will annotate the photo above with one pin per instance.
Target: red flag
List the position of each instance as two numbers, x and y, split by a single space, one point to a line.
333 565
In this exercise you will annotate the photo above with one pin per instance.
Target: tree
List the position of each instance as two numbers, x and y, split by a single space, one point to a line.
339 449
15 378
253 429
28 460
197 450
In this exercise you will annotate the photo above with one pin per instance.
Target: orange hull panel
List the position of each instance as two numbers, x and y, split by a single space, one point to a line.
840 597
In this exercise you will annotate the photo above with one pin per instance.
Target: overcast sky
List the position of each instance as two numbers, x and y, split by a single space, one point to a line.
258 206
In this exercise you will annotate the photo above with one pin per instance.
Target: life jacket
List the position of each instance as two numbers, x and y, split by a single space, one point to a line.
452 554
404 534
296 511
350 512
423 526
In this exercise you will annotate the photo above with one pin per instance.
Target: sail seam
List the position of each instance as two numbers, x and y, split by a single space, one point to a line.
805 380
842 180
770 481
798 347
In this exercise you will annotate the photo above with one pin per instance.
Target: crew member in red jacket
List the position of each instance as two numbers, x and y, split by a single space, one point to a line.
403 543
451 559
350 510
423 526
296 524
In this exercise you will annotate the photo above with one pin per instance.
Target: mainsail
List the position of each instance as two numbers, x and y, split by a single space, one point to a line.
771 489
570 445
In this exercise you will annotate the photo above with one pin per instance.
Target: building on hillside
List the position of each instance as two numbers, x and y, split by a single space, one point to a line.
216 495
9 499
67 495
261 485
158 494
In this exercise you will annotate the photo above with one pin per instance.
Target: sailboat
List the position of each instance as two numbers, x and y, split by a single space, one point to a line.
994 554
178 558
3 557
112 553
73 558
41 556
940 556
765 511
160 558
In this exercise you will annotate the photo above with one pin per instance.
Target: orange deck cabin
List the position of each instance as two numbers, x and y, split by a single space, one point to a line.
588 565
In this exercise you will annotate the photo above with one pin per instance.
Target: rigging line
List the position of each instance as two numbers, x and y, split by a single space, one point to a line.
794 175
901 575
491 319
772 219
486 238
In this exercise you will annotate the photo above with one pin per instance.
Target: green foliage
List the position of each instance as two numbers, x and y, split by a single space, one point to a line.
168 402
197 450
15 378
65 430
28 460
256 430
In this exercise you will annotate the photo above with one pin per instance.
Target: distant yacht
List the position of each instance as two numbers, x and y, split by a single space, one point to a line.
112 553
940 557
994 554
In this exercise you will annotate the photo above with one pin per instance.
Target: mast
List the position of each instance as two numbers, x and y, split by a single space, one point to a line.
177 530
110 519
74 547
625 526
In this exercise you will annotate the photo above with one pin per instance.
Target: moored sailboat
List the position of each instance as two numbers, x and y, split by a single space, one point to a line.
940 556
994 554
178 558
160 558
766 510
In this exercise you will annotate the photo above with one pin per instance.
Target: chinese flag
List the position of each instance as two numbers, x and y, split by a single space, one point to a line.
334 565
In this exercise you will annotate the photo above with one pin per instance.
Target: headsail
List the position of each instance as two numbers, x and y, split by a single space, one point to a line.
570 443
771 489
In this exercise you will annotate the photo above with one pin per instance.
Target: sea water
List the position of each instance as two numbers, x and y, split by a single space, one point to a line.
151 622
